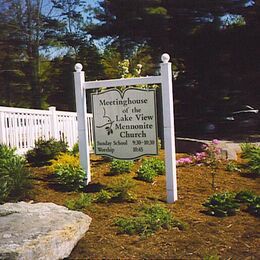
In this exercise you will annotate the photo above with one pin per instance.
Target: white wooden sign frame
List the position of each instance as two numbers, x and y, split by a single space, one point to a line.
165 79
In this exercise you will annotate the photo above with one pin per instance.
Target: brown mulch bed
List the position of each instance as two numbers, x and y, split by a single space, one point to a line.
235 237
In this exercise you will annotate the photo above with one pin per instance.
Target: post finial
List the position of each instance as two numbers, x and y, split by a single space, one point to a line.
78 67
165 58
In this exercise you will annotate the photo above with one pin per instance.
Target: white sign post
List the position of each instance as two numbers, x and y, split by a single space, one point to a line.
168 118
168 126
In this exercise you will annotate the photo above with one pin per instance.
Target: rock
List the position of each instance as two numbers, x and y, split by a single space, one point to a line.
39 231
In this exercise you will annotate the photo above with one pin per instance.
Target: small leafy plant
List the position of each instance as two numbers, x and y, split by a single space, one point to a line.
254 206
247 149
15 179
104 196
251 153
146 173
254 163
156 164
150 168
44 151
222 205
232 167
227 204
245 196
68 171
6 152
63 159
120 166
121 189
82 202
75 149
150 219
73 177
118 191
5 187
252 201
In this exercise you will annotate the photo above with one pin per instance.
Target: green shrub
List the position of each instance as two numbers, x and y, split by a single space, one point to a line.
44 151
63 159
247 149
121 190
118 191
150 168
75 149
221 205
5 188
254 162
232 167
156 164
146 173
150 219
6 152
82 202
251 153
15 180
104 196
16 168
73 177
245 196
254 206
120 166
161 217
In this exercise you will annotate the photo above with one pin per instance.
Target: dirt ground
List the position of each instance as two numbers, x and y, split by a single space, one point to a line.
235 237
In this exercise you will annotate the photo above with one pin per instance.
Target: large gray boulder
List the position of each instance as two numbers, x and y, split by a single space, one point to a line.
39 231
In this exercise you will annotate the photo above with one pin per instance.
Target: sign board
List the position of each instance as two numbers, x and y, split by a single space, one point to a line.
125 123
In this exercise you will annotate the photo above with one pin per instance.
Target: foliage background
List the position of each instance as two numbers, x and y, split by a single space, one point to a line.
214 47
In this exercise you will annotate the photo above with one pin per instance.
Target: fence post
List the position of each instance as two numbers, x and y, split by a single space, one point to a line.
2 129
169 133
54 123
81 106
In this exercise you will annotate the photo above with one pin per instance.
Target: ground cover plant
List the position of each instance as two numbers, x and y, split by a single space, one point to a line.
84 200
254 206
150 219
68 171
251 153
75 149
120 166
72 177
233 237
150 168
156 164
146 173
221 205
232 166
228 203
63 159
118 191
245 196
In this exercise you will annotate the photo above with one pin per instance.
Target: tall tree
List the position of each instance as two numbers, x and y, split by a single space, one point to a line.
34 30
25 31
204 36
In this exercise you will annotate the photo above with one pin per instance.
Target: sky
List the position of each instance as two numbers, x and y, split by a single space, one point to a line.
92 2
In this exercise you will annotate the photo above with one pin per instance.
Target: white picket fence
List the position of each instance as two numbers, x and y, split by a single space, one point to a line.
20 127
